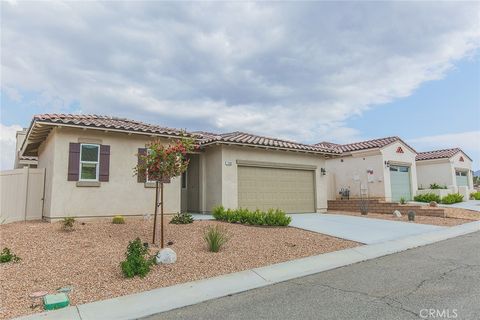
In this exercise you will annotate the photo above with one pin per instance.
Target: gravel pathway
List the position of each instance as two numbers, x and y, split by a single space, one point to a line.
88 258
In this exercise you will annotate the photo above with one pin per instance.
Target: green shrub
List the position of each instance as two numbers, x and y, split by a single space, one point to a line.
427 197
118 220
137 262
475 195
215 237
452 198
6 256
402 200
68 223
272 217
182 218
437 186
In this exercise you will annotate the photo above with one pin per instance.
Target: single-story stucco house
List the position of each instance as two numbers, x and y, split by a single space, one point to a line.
89 160
383 169
450 168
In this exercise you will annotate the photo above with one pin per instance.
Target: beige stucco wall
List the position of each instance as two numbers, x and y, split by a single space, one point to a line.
442 171
121 195
351 172
407 158
225 178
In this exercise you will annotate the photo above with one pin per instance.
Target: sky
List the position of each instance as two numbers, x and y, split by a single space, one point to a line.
305 71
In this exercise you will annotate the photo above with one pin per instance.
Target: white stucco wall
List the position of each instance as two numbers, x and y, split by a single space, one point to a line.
217 156
345 169
122 194
439 171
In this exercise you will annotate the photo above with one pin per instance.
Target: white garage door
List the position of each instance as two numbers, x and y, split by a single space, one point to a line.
462 179
291 190
400 182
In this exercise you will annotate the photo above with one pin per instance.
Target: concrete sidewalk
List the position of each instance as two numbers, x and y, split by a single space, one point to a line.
164 299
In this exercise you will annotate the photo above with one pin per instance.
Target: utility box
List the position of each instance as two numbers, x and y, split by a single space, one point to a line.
55 301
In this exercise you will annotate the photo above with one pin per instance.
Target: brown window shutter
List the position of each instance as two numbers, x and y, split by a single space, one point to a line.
140 162
73 161
104 170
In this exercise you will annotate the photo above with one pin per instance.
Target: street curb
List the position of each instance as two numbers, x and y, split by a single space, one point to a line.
159 300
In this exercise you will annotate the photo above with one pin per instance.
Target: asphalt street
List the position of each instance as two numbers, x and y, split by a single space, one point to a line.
439 281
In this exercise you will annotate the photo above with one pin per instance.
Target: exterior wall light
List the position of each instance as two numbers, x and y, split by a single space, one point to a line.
387 164
323 171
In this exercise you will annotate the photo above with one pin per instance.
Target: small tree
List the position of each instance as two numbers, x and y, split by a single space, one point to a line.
162 163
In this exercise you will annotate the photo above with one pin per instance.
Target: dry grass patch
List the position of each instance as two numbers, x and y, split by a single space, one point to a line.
88 258
448 222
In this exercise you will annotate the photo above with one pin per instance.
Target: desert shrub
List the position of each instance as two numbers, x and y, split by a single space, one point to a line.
402 200
137 262
435 186
427 197
182 218
118 220
452 198
7 255
215 237
272 217
475 195
68 223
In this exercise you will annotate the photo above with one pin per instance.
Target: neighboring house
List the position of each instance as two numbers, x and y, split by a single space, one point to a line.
23 161
448 167
383 169
89 163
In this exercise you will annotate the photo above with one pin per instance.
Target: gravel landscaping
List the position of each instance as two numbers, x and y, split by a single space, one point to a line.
449 221
88 258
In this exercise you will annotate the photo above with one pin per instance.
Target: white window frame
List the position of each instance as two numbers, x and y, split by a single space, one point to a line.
97 171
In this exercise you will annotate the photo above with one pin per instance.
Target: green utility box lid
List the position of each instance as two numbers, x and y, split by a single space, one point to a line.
55 301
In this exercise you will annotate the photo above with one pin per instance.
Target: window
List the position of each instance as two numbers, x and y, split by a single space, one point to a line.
89 162
461 173
147 179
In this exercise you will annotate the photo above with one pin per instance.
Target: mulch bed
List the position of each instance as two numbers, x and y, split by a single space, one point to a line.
88 258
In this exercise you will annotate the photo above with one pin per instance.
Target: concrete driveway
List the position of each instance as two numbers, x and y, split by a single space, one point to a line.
364 230
469 204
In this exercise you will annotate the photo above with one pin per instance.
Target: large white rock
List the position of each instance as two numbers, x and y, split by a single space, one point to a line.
166 256
397 214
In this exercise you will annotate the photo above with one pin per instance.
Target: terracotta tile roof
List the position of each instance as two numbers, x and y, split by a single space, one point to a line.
437 154
243 138
91 120
362 145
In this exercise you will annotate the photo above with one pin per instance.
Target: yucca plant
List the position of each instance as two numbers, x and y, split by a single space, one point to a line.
215 237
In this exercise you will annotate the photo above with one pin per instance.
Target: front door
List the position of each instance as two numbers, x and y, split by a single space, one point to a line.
400 183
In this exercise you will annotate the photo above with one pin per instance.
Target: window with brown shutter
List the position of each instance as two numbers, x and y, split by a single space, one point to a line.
141 176
73 161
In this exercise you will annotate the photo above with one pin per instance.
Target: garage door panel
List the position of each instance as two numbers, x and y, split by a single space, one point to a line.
287 189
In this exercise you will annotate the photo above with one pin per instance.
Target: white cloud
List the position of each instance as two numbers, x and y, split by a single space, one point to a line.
8 145
469 142
295 70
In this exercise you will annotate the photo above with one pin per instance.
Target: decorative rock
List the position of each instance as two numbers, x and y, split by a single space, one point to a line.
433 204
38 294
166 256
397 214
411 215
65 289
